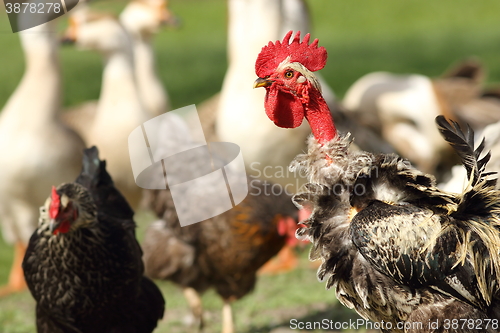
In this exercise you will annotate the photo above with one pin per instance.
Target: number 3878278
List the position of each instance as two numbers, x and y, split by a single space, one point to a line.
31 7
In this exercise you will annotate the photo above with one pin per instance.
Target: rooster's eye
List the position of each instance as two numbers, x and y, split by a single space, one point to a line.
288 74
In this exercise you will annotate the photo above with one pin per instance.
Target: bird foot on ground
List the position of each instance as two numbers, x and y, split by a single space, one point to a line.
16 283
193 324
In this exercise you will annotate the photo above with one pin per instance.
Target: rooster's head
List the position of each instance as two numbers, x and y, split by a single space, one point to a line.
293 92
69 206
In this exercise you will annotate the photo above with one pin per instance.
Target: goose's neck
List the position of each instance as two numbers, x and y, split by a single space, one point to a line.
247 35
118 66
118 84
150 86
144 58
37 99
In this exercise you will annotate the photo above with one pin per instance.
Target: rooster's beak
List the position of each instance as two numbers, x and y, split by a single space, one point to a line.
260 82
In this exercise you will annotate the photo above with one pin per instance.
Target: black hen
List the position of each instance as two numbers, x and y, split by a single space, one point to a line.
83 264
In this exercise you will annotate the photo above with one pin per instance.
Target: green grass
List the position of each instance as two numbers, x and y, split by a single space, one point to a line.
361 36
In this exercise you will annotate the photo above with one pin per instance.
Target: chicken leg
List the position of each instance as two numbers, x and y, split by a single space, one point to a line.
227 318
16 277
196 307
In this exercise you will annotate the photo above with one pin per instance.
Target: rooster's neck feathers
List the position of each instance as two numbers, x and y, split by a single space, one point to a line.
319 168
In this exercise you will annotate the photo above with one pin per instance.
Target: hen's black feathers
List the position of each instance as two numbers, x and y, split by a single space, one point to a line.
96 282
96 179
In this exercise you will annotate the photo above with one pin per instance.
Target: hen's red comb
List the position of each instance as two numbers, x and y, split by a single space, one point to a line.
55 203
311 56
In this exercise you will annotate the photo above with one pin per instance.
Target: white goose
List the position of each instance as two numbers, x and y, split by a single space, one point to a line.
403 109
238 112
143 19
38 151
119 109
240 115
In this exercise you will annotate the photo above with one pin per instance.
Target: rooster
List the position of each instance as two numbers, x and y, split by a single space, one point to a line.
397 249
83 265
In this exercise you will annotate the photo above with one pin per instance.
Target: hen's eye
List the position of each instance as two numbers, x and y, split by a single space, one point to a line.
288 74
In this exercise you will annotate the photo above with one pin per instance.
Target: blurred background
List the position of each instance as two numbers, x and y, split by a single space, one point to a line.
414 36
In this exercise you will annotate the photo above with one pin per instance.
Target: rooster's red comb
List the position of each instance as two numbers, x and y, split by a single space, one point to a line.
311 56
55 203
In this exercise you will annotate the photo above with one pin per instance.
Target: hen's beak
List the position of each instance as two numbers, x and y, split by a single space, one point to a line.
260 82
53 225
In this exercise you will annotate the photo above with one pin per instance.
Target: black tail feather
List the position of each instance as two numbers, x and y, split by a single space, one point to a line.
98 181
93 170
463 144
